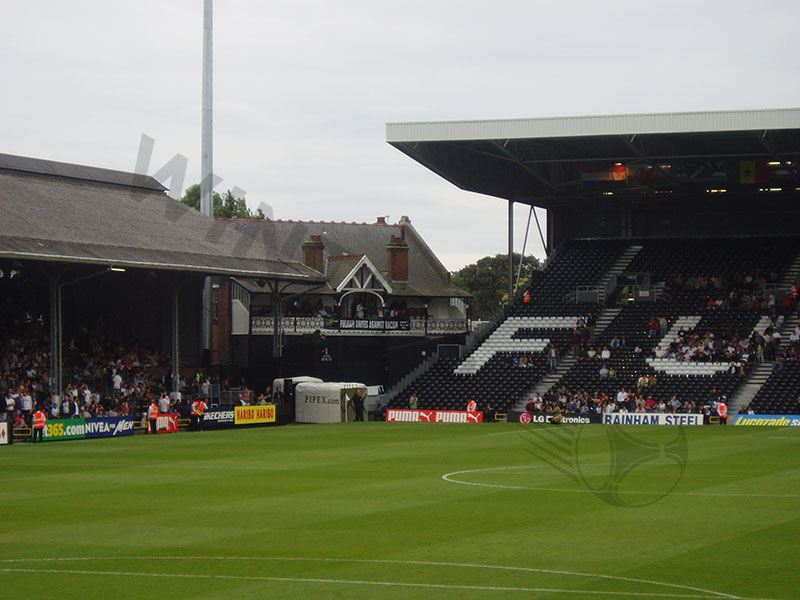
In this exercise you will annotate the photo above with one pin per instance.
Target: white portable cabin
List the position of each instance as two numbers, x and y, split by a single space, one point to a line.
327 402
278 384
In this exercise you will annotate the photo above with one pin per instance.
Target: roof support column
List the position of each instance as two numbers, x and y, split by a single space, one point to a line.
175 285
277 347
57 357
510 249
57 284
55 333
541 235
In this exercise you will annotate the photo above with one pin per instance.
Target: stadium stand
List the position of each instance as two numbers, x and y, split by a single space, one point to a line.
494 374
780 393
716 323
697 210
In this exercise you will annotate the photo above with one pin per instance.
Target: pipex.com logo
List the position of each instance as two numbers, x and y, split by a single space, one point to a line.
618 467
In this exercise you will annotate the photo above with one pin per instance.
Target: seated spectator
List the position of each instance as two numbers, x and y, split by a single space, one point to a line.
605 354
604 372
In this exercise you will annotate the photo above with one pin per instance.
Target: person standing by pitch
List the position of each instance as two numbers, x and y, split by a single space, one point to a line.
39 420
152 417
200 411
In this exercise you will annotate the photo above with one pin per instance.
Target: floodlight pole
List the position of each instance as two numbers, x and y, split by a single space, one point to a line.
206 166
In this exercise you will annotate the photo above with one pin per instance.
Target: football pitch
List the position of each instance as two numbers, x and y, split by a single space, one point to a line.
390 510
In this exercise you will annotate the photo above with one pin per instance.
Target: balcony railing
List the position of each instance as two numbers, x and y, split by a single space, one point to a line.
415 326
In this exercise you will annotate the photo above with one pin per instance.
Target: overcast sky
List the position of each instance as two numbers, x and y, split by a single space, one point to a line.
303 89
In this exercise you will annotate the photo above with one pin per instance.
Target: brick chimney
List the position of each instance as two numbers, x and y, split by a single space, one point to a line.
398 256
312 253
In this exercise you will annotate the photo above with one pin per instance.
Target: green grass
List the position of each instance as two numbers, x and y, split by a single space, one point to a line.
361 511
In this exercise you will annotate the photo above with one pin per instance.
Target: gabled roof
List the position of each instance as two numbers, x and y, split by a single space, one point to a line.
70 213
362 274
427 276
340 267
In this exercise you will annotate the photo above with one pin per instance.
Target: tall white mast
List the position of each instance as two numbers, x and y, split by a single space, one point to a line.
207 166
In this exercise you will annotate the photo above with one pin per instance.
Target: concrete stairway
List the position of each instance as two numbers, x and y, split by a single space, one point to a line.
759 375
792 273
618 268
604 319
748 390
548 381
787 327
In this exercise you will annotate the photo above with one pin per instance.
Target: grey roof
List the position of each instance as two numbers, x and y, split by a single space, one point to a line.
427 277
340 267
541 161
68 213
641 123
25 164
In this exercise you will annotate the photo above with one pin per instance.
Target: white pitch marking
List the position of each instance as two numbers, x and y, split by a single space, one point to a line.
448 477
377 583
379 561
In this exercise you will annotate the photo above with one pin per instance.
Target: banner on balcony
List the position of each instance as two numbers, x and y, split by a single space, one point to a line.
368 324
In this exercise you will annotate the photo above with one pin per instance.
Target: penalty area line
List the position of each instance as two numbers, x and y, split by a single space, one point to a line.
373 583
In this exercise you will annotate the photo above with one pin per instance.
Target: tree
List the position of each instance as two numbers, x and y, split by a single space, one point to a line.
487 281
225 205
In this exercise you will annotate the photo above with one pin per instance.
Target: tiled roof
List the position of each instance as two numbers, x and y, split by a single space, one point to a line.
69 213
427 277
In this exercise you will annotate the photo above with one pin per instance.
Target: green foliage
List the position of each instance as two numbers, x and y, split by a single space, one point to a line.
225 205
487 281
